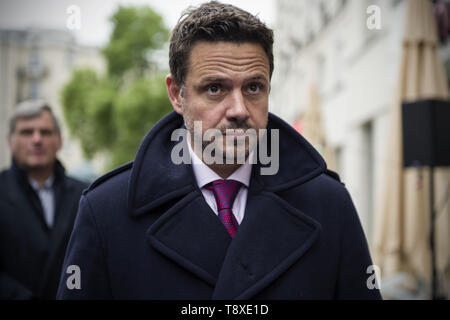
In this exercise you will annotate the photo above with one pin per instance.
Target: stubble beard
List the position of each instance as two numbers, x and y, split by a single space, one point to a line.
240 145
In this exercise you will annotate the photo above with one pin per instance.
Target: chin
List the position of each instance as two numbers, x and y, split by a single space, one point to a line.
235 159
38 164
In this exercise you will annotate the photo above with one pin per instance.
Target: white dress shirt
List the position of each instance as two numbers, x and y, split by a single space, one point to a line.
47 197
204 175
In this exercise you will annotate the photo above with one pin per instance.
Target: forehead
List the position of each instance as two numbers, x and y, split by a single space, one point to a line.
43 119
227 59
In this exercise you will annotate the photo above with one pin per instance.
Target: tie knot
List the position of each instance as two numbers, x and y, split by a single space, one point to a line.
225 192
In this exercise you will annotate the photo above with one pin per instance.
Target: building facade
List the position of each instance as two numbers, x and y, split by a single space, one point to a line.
353 59
350 51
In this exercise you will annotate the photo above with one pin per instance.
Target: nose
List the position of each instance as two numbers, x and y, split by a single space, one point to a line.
37 137
237 109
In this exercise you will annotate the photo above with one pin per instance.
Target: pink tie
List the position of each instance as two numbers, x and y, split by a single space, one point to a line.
225 192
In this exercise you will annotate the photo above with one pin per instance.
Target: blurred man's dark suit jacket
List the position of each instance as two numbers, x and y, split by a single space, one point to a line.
144 231
31 254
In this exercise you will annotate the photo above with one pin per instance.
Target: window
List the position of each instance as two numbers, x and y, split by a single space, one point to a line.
34 65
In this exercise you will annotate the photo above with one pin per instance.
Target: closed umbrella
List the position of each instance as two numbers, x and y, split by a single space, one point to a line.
402 226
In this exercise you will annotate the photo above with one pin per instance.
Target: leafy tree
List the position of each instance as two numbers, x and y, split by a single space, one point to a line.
111 113
136 30
133 117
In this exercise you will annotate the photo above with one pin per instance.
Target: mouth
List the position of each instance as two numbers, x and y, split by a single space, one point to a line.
37 152
234 131
235 135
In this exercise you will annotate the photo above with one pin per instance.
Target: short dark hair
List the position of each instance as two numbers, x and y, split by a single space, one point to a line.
214 21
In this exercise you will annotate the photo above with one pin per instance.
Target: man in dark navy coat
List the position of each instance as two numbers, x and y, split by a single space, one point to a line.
161 228
38 204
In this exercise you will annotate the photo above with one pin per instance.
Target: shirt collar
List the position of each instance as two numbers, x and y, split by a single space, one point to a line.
47 184
204 174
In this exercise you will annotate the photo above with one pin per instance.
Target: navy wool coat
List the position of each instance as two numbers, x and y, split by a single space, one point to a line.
144 231
31 253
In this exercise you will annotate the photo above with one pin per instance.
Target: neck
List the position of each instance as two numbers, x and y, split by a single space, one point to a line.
224 170
40 175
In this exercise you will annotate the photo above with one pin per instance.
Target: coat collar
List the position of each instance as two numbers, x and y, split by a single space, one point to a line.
19 178
155 179
190 234
21 193
22 176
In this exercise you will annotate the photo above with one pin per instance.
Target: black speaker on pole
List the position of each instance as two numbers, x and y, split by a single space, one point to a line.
426 142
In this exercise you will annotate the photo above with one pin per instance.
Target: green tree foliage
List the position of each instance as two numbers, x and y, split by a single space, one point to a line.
111 113
133 117
136 30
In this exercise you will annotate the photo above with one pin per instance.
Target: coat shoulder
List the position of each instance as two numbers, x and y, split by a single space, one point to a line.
328 182
108 178
3 174
4 185
8 182
333 175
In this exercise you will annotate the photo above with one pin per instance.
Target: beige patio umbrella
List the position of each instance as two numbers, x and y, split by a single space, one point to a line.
313 129
401 237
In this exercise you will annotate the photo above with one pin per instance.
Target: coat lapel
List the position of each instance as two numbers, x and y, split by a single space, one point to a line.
192 236
27 206
272 236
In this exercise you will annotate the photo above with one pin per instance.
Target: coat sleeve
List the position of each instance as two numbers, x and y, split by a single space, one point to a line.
356 278
84 274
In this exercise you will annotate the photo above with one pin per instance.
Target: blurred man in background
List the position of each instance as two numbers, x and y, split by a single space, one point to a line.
38 204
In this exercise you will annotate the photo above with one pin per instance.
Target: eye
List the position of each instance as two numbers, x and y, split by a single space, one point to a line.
26 132
214 89
254 88
46 132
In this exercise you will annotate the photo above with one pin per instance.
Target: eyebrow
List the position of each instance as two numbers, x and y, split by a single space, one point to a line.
213 79
222 79
257 77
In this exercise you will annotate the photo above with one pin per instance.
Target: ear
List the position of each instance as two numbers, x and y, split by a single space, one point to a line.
174 92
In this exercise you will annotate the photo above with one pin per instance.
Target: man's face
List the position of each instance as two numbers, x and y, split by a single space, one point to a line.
35 142
226 87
